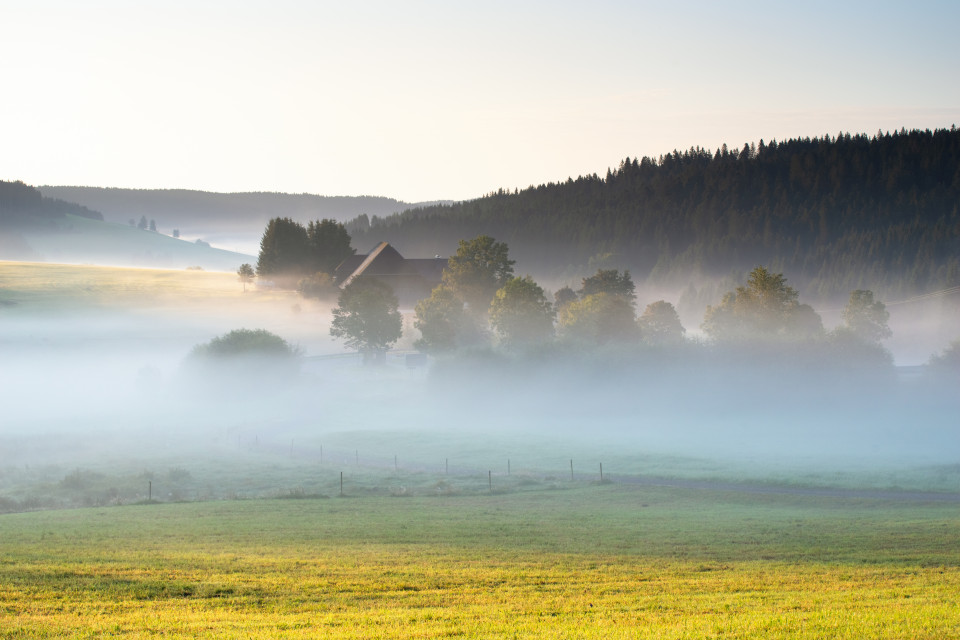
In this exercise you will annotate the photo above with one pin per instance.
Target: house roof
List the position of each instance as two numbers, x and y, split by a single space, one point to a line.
386 263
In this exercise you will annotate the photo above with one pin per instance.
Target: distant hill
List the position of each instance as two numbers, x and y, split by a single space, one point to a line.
23 206
225 219
77 240
42 229
833 214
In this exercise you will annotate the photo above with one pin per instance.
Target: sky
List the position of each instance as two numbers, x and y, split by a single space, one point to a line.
446 100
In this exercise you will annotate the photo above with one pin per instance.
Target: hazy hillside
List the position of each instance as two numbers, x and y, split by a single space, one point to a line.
83 241
42 229
230 220
834 214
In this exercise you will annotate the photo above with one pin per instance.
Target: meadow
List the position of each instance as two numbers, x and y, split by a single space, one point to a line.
576 560
131 508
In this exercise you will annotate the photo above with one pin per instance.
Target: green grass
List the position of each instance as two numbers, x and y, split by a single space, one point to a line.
413 553
590 561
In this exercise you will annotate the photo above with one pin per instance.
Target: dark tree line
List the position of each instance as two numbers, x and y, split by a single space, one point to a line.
839 213
22 206
290 251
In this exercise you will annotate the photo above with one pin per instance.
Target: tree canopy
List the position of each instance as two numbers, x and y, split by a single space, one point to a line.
609 281
766 307
246 342
367 318
838 212
520 313
329 244
245 274
443 323
866 317
284 249
660 324
597 319
289 251
475 272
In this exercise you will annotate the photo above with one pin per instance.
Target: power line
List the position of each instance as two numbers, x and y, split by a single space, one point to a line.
923 296
926 296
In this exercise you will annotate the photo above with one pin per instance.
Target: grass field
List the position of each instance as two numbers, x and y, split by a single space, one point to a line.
184 533
30 284
587 561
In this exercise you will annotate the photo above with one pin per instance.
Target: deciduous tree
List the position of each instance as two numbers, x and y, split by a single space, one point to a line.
520 313
610 281
865 317
563 297
368 319
477 270
660 324
597 319
443 323
246 274
766 307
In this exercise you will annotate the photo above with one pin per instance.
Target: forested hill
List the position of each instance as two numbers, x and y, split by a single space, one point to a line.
206 211
23 206
832 213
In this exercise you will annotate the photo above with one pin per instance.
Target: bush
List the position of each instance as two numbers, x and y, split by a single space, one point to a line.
240 362
319 286
246 342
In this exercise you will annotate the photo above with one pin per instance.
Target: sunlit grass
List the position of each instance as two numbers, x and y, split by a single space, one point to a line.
588 562
33 283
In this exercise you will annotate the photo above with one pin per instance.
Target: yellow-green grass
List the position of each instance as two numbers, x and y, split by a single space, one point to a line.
34 285
600 561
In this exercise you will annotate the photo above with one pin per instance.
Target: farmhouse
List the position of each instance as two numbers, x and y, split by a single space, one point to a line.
412 279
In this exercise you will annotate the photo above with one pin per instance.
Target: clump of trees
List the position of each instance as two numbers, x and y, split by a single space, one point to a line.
820 208
290 252
481 303
765 308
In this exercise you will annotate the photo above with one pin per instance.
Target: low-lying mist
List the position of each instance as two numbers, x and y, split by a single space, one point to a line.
111 390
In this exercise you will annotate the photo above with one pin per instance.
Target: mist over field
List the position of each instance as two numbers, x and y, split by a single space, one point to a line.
104 381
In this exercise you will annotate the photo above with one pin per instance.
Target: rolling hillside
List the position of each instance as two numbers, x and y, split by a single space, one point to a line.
76 240
234 220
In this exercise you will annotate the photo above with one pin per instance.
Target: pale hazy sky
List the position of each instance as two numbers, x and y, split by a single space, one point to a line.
431 100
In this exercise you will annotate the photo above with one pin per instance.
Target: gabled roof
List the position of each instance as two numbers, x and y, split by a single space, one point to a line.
347 267
386 262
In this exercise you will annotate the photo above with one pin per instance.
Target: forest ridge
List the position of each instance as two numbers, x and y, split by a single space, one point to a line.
835 214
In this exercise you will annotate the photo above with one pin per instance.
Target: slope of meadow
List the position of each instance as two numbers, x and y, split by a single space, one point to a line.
584 561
